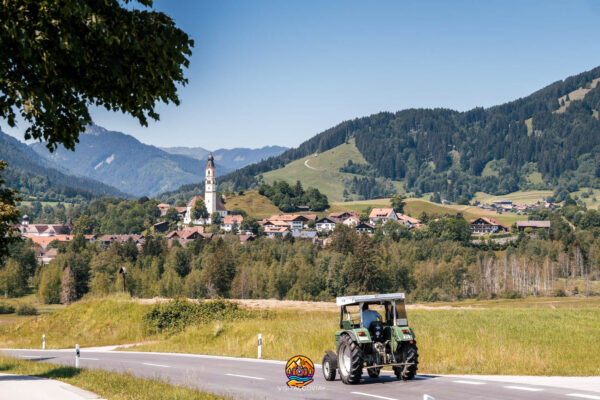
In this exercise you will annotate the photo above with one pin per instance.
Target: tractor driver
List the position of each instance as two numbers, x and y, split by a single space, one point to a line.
369 316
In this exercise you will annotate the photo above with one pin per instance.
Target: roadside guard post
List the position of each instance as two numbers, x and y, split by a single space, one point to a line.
77 354
260 345
43 342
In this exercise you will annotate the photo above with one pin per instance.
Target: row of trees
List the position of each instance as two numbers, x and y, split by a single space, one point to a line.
288 198
434 263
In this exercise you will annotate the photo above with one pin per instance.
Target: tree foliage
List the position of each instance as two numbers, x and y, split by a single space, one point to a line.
59 57
288 198
9 214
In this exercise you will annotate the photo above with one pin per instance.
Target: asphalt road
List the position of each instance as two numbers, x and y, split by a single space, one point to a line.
265 379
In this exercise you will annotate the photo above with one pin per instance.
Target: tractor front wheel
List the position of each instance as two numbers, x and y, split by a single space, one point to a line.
350 360
374 372
328 368
410 355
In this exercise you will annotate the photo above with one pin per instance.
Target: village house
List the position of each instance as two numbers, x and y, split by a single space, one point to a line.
342 215
275 231
408 221
295 221
534 225
230 221
106 240
352 221
187 234
325 225
382 214
364 227
483 225
45 256
160 227
45 229
44 241
163 208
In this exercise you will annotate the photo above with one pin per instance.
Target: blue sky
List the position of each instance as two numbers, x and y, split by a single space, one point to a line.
279 72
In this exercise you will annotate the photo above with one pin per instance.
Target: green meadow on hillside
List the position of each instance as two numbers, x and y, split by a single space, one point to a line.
534 336
322 171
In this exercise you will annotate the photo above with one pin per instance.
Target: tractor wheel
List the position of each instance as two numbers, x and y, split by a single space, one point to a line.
374 372
409 355
350 360
328 368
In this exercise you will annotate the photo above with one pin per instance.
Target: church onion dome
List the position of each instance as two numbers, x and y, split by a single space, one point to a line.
210 163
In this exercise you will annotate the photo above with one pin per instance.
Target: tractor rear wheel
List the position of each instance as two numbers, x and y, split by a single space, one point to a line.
409 354
328 368
374 372
350 360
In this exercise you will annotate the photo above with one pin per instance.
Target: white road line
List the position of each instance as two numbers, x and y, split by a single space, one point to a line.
31 356
584 396
246 376
87 358
373 395
470 382
529 389
157 365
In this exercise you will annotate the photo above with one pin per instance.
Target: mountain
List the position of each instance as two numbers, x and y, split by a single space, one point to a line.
36 178
547 140
122 161
229 159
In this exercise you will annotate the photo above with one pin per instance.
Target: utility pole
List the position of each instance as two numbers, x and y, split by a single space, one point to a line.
123 271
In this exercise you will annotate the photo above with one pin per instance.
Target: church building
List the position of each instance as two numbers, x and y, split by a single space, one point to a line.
211 200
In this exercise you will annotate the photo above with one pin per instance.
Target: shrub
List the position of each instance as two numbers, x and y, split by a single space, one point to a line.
560 293
26 309
177 314
6 308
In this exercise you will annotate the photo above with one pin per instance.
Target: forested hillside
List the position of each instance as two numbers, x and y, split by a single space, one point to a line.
549 139
36 178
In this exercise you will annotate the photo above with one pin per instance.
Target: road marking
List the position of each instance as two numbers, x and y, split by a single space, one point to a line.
529 389
470 382
246 376
584 396
157 365
31 356
87 358
374 395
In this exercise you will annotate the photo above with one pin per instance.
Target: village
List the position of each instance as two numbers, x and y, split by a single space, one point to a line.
214 220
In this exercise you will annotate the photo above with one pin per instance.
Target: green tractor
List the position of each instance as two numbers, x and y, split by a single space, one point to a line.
374 333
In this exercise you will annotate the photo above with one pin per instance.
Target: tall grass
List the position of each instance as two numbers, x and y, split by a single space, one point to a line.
92 322
527 340
106 384
530 336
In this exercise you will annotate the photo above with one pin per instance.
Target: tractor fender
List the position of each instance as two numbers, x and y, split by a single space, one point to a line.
332 357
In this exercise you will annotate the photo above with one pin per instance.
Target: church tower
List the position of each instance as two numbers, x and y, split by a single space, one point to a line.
210 186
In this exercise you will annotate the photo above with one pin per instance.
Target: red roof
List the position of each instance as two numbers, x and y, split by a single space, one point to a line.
381 213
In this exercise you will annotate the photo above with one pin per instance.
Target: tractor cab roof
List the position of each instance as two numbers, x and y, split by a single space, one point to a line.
368 298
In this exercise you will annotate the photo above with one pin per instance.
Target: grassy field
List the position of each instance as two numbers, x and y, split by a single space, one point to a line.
322 170
253 204
591 197
502 337
415 207
555 336
29 299
93 322
106 384
520 197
